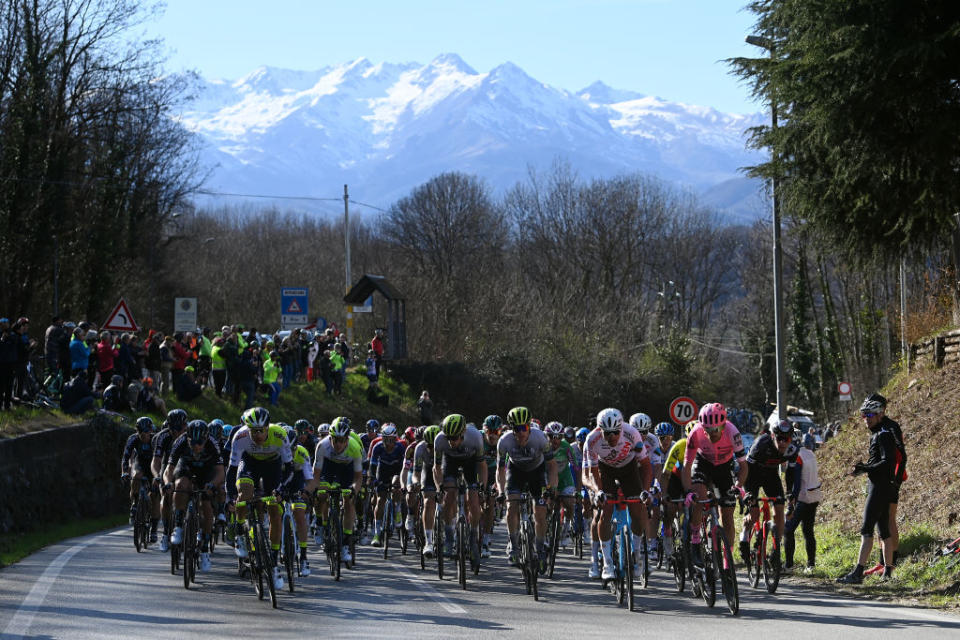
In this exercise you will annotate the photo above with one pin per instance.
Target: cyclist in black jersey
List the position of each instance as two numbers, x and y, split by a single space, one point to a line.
174 426
770 451
135 464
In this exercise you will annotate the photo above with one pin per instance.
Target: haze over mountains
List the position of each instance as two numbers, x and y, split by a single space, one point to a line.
386 128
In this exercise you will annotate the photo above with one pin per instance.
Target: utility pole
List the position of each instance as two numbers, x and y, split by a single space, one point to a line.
349 279
767 43
904 351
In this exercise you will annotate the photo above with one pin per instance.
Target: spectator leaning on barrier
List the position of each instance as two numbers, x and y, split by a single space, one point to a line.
803 489
880 469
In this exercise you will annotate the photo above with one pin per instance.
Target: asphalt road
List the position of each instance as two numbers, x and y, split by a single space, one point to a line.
99 587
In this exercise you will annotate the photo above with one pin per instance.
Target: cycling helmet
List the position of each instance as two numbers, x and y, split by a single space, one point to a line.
783 427
665 429
874 403
302 426
372 425
693 424
569 433
145 425
553 428
340 427
430 434
712 416
492 424
177 419
582 434
454 425
227 430
389 430
518 417
535 423
610 420
410 434
197 432
292 436
420 431
641 422
256 418
323 430
216 428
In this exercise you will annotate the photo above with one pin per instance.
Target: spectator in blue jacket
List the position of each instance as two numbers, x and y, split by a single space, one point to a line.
79 353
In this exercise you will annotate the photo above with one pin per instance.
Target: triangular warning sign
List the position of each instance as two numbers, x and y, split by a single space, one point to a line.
120 319
294 307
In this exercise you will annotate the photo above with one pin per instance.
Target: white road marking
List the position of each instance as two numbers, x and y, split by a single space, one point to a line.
428 590
23 618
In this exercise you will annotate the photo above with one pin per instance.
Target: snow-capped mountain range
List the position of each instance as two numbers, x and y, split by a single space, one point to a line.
385 128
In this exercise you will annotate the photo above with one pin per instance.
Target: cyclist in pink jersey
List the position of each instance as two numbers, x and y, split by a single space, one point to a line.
711 448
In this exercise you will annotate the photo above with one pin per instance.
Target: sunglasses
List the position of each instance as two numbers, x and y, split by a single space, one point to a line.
783 437
556 436
868 414
339 439
712 429
521 428
196 443
258 430
612 433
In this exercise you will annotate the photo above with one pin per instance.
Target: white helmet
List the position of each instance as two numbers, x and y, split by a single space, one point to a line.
641 422
610 420
388 430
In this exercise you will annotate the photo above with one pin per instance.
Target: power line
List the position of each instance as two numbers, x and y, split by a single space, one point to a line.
207 192
733 351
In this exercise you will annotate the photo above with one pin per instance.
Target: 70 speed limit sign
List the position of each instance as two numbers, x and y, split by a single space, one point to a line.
683 410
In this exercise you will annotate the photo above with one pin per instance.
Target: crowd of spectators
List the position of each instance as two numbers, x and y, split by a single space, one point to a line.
129 372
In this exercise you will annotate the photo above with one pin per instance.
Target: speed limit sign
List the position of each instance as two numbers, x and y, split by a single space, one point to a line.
683 410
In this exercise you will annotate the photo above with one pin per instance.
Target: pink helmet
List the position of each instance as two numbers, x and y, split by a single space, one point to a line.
713 415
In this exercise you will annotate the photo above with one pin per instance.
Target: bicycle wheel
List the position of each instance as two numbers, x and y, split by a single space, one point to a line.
289 551
553 535
189 542
336 560
618 569
753 562
644 561
660 557
256 568
709 572
521 555
138 525
533 563
771 569
387 529
462 552
679 563
628 568
266 560
438 544
723 559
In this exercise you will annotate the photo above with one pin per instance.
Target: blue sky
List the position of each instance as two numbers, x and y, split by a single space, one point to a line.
669 48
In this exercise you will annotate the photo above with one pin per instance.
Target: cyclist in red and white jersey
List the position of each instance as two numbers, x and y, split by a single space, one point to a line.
614 451
708 460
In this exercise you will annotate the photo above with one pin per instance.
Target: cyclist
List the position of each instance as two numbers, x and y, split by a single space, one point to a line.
613 452
708 461
586 502
570 435
671 482
457 449
492 428
339 461
410 436
135 465
196 463
523 461
174 425
217 434
665 432
770 451
562 454
406 479
260 457
323 430
300 484
386 462
305 437
423 476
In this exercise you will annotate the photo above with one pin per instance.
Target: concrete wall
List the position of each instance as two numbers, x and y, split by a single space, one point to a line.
61 474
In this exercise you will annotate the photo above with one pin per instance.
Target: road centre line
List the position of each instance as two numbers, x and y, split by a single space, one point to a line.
428 590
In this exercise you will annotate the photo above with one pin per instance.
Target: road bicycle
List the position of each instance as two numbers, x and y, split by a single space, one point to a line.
259 559
439 533
577 529
527 557
462 543
289 545
679 560
764 537
389 525
190 547
622 548
717 559
141 515
333 529
419 538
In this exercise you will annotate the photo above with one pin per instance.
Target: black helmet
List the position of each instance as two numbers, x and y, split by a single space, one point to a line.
197 432
302 426
784 427
177 419
145 425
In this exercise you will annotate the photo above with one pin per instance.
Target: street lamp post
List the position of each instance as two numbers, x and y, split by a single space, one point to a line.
766 43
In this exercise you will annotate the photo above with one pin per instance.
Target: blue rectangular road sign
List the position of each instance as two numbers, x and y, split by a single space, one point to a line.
293 308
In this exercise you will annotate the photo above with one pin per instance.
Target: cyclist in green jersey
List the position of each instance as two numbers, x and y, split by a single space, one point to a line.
492 427
564 457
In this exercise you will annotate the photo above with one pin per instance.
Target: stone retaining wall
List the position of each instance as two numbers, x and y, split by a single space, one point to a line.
61 474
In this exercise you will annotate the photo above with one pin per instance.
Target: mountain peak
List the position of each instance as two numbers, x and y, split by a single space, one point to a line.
602 93
453 62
